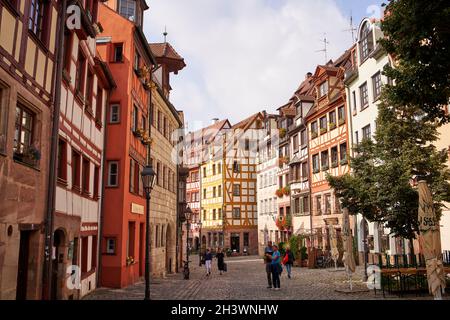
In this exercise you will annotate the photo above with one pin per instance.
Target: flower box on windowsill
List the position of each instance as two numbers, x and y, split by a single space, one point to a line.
341 122
334 164
323 130
25 158
332 125
314 135
344 162
325 168
316 171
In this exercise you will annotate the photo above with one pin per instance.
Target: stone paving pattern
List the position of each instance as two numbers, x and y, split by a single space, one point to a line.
246 280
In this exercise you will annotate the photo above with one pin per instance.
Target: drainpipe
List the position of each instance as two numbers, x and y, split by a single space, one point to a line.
51 192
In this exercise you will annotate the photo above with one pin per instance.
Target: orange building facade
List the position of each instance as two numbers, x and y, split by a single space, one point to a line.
328 146
123 46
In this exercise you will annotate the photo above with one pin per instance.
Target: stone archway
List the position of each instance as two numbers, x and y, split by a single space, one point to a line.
58 266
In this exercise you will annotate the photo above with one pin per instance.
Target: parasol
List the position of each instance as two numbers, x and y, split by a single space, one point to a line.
431 241
334 249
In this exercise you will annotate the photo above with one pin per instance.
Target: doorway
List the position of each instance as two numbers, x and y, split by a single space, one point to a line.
57 261
235 245
22 272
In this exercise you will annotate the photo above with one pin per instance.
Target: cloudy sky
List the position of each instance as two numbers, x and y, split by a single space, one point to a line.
244 56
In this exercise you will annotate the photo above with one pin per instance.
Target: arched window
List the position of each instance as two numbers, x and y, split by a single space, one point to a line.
366 41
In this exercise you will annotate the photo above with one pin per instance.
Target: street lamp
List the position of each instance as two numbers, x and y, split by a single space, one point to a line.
200 240
148 181
188 215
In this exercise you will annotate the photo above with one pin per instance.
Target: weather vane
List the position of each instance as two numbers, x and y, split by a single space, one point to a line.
165 34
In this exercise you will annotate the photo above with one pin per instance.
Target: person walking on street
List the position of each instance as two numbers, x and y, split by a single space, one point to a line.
268 251
208 260
220 260
276 268
288 261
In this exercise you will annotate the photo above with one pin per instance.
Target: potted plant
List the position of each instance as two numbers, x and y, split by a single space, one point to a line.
130 260
304 256
282 132
279 193
286 191
139 132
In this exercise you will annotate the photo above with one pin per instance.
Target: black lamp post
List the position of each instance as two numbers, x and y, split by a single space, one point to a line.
188 215
148 180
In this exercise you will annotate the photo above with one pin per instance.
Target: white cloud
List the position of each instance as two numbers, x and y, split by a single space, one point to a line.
244 56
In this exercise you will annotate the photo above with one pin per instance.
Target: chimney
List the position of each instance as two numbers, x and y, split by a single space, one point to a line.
214 120
308 75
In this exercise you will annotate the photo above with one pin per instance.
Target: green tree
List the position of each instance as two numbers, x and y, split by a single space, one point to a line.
409 114
418 36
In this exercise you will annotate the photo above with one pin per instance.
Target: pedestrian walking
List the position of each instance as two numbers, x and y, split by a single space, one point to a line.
276 268
268 251
288 261
208 261
220 260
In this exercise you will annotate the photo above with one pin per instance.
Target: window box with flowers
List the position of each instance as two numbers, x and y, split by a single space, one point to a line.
286 191
332 125
323 130
314 135
341 122
30 156
130 260
325 167
146 140
344 162
334 164
279 193
282 132
139 133
143 72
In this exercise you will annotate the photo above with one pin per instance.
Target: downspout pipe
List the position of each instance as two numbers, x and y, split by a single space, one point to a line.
51 192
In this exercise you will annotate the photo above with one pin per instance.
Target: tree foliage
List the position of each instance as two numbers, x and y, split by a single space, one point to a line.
409 114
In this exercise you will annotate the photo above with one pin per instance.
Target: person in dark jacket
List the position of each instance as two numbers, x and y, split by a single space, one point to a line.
276 268
220 260
288 261
268 251
208 261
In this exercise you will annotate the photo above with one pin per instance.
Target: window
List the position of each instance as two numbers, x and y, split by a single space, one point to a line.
159 122
334 157
84 254
318 205
67 50
86 176
247 144
164 127
165 178
131 177
323 89
114 113
332 117
137 60
118 52
341 115
135 119
236 213
314 130
343 151
204 193
236 190
76 159
295 144
219 168
99 105
364 95
157 238
236 167
96 182
38 19
214 192
304 172
80 72
280 182
111 244
357 137
315 163
354 101
89 90
131 237
113 173
214 169
305 204
323 124
303 138
324 160
366 42
327 204
376 85
220 191
127 9
204 172
297 205
366 132
62 160
220 214
246 239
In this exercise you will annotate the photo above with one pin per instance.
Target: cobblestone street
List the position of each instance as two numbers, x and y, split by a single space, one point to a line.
246 280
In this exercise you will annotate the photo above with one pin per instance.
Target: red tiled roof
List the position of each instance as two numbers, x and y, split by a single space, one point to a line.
165 50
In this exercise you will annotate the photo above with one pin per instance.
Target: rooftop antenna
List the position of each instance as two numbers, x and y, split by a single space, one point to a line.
352 28
324 50
165 34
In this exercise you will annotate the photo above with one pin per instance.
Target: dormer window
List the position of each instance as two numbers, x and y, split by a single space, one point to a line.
127 9
366 41
323 89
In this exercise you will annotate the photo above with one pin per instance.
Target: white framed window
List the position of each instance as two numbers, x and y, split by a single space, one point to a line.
114 113
127 9
113 173
111 244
